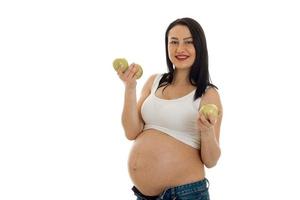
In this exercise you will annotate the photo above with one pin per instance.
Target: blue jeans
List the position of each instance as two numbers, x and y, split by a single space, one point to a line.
192 191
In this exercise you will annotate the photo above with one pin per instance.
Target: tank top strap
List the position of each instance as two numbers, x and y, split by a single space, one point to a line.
155 83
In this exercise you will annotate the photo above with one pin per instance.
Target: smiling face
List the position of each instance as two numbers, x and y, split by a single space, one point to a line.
181 48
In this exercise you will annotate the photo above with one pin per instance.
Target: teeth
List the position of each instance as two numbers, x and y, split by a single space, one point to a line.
181 57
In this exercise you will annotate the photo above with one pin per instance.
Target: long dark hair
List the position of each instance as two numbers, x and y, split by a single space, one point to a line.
199 74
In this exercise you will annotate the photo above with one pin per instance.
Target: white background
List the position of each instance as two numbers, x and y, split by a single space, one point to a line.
61 101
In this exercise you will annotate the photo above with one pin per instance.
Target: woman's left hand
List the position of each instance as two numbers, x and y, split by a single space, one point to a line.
205 124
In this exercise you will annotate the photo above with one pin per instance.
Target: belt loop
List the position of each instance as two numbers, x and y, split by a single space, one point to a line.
207 183
173 193
161 197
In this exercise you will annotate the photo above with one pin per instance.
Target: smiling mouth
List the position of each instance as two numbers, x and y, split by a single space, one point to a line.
181 57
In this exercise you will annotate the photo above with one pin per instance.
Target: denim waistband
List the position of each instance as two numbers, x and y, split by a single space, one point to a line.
142 196
198 186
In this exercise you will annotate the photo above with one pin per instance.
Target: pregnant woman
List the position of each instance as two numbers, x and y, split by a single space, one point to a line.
173 141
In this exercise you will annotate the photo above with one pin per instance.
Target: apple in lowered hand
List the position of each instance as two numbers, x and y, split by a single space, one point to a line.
209 110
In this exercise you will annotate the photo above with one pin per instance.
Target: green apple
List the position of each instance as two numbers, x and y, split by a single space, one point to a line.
139 73
120 62
209 110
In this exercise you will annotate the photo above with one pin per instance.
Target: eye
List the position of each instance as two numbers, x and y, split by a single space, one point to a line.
173 42
189 42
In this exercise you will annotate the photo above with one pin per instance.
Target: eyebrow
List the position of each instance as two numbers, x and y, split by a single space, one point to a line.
175 38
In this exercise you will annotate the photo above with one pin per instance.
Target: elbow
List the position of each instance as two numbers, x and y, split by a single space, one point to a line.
213 162
131 135
210 164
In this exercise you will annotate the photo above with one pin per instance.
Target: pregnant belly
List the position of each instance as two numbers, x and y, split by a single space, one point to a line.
158 161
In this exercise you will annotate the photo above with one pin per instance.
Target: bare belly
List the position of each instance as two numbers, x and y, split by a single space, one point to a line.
158 161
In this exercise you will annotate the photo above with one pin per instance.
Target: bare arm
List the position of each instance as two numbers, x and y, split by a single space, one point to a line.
132 121
210 130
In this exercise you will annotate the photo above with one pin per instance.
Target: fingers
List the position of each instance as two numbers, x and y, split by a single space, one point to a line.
120 71
205 123
129 74
212 119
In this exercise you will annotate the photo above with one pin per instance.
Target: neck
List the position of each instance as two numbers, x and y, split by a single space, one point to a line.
181 77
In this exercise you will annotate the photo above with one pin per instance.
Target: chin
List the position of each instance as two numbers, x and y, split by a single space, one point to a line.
183 66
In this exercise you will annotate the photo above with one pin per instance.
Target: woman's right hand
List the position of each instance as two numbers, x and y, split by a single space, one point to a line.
128 77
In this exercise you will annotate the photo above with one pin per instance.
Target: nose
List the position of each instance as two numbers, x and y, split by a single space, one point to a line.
180 47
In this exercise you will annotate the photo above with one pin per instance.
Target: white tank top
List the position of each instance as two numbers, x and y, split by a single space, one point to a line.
175 117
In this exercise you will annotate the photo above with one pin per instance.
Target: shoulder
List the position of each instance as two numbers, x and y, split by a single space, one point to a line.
151 79
149 82
211 93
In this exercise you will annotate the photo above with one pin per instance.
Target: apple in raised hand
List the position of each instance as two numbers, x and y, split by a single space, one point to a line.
139 73
123 64
120 62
